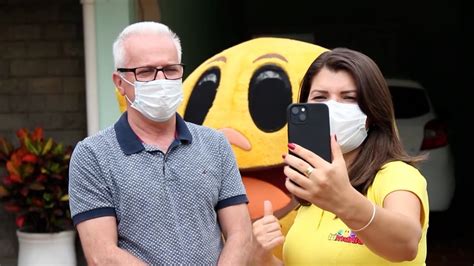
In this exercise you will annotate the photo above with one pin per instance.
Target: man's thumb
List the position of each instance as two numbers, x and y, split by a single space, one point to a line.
267 208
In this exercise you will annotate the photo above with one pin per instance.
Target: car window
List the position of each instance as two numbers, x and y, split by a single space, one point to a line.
409 102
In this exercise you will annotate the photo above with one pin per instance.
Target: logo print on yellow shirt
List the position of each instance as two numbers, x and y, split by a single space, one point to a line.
345 236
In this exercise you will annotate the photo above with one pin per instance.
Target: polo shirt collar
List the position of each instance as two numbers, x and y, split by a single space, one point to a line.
130 143
182 129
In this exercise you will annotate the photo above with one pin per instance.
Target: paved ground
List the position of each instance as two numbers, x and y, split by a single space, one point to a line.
450 240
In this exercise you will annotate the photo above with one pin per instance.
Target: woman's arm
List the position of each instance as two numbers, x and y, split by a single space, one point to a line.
395 230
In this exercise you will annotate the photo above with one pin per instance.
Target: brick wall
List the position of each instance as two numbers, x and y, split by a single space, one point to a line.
41 78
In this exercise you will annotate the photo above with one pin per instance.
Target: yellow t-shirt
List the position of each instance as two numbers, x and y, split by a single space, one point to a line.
317 237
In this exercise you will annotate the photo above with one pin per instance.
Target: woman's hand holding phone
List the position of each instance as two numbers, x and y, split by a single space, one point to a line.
328 186
308 126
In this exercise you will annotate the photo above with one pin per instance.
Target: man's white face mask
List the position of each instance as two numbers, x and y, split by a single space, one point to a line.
158 99
347 122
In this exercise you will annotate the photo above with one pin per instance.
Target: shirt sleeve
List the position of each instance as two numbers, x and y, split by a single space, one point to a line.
232 188
395 176
89 194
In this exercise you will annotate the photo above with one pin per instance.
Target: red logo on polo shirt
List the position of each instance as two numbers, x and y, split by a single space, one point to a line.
345 236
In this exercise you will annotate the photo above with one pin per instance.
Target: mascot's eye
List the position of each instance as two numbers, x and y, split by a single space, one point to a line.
203 95
269 96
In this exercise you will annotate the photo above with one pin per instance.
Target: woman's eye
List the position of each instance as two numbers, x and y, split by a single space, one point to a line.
350 98
319 98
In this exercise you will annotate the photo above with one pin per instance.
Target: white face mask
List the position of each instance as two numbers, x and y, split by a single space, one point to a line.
158 99
347 122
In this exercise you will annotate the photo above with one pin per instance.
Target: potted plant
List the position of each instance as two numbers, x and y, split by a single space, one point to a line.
34 187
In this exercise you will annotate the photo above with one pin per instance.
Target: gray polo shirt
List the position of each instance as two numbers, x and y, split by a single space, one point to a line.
165 203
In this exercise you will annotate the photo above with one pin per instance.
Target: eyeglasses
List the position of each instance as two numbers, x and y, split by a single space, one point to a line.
174 71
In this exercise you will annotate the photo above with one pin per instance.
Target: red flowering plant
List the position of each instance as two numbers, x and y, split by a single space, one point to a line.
34 182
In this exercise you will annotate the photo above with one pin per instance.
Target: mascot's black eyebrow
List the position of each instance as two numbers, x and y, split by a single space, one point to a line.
271 55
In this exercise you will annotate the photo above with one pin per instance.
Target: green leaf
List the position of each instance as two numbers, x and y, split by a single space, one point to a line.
58 149
47 196
6 148
47 147
64 198
55 168
31 147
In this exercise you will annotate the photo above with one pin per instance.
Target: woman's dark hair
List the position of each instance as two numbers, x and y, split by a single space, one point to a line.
382 144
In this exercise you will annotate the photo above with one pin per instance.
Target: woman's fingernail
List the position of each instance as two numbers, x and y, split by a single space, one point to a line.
291 146
283 156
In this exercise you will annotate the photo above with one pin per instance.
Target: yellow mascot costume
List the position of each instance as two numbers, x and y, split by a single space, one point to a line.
244 91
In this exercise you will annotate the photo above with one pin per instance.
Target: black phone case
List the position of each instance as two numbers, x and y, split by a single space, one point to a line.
313 131
308 126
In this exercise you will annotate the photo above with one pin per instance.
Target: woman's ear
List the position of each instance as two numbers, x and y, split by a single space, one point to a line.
368 124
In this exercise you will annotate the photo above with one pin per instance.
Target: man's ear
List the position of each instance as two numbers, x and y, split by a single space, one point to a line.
118 81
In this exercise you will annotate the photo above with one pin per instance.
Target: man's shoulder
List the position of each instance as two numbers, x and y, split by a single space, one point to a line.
201 130
99 138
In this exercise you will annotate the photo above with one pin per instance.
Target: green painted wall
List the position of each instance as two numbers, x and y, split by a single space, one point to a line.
111 17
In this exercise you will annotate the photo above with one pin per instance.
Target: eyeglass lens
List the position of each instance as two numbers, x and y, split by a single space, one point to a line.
150 73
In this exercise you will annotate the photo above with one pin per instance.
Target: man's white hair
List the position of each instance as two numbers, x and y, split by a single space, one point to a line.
147 27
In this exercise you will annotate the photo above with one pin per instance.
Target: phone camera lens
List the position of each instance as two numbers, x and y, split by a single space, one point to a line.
302 117
294 110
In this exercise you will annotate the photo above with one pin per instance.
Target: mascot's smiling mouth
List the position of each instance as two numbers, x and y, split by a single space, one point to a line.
262 183
267 184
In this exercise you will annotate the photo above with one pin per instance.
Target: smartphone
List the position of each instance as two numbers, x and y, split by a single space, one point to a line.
308 126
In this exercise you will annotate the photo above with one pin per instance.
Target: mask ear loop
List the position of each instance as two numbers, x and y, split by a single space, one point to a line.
124 79
134 87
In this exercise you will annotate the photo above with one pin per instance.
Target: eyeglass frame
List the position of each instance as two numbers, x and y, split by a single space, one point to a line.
157 69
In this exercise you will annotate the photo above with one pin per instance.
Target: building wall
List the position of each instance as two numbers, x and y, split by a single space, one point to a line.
41 79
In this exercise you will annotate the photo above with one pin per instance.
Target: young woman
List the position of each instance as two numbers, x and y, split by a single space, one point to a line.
369 206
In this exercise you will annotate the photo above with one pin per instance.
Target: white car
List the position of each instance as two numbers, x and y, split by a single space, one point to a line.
421 131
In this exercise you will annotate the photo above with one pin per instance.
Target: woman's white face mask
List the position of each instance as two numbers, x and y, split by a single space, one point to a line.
158 99
347 122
